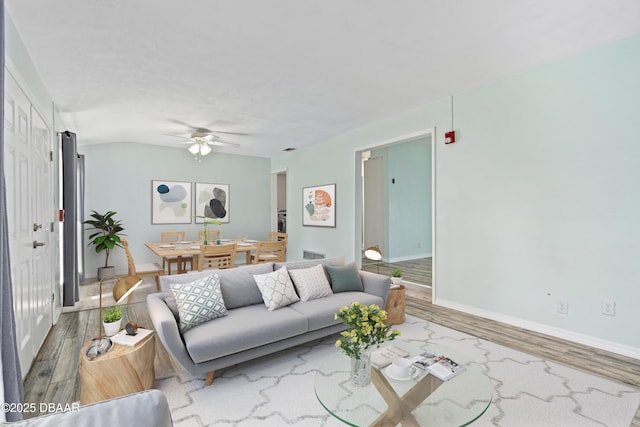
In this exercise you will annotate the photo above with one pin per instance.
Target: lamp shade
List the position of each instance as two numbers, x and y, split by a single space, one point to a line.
125 286
373 253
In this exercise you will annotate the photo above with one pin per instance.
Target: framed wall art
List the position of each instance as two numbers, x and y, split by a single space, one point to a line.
319 206
170 202
212 201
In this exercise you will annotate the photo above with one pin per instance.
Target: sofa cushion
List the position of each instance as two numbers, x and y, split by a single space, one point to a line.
242 329
237 284
320 313
311 283
198 301
294 265
276 288
239 288
344 278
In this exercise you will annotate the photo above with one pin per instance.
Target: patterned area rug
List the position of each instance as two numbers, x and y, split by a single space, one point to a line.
279 389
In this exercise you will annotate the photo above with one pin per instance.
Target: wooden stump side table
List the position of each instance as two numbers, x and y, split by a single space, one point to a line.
395 306
120 371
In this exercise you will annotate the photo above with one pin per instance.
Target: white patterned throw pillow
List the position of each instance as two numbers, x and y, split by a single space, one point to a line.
198 301
276 288
311 283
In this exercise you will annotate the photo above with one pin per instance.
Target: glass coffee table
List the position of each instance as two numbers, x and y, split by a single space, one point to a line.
422 400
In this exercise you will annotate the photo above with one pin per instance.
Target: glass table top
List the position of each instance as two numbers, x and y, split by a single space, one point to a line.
456 402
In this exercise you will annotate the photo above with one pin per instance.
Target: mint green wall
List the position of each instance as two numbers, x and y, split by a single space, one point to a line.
537 200
119 175
409 164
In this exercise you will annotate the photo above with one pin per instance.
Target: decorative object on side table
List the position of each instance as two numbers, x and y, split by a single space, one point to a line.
112 320
121 289
366 329
106 238
396 278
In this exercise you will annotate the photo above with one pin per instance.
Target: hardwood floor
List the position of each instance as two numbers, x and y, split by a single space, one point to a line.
53 377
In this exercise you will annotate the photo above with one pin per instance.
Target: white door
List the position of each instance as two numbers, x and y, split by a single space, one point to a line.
29 210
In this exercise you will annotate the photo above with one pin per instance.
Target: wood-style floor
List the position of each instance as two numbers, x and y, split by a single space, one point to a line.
54 378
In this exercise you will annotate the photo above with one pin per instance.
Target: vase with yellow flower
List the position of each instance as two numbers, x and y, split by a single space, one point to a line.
365 329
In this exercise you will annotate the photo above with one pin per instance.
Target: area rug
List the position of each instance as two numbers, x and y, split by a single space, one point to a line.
279 389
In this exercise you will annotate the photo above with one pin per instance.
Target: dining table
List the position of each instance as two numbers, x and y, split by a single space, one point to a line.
192 249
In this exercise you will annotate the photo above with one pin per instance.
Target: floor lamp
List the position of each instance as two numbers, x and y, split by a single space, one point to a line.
374 254
122 289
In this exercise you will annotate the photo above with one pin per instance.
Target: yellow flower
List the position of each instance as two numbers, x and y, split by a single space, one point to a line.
338 343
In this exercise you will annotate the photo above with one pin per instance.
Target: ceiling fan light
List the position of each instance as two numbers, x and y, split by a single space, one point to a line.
194 149
205 149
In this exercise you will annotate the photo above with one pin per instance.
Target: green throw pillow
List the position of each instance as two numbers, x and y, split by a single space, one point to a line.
345 278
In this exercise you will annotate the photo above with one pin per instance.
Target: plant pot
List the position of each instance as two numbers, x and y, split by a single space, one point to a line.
112 328
105 271
396 281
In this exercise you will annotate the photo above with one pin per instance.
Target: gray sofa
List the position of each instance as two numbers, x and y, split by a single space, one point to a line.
249 330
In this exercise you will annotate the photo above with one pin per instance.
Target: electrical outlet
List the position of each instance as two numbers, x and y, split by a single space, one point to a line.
563 306
608 307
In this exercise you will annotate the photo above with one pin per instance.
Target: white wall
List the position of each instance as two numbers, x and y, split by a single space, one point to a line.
537 201
119 175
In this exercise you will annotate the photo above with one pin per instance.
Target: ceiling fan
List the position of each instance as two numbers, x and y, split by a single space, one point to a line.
201 140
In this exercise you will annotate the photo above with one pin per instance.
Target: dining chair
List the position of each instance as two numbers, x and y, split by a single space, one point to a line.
212 235
174 237
217 256
152 269
269 251
277 236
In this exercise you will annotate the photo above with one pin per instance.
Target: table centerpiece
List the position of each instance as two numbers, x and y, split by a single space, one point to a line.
366 329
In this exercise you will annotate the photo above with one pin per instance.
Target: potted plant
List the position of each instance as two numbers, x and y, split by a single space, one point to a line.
112 320
396 277
105 238
365 329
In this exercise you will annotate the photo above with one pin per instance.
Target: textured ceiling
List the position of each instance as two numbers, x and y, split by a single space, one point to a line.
287 73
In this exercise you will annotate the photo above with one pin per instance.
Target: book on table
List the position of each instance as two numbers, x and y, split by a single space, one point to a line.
122 338
438 365
383 357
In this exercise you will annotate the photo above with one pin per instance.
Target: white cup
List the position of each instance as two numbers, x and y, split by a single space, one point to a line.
401 367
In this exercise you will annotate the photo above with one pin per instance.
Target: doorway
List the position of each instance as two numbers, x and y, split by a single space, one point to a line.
279 201
395 181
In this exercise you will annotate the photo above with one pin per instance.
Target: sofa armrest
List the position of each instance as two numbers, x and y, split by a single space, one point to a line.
376 284
147 407
167 329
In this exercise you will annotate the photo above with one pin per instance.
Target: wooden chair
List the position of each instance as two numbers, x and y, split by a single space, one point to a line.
152 269
217 256
173 237
212 235
269 251
277 236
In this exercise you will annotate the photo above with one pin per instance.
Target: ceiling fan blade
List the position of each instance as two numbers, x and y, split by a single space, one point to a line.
223 143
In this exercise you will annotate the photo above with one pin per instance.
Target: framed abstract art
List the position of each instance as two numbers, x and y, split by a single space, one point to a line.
212 201
170 202
319 206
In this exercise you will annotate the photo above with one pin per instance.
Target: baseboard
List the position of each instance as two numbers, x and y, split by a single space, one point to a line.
408 258
595 342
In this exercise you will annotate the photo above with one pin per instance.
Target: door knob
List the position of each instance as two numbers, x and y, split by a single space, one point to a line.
36 227
36 244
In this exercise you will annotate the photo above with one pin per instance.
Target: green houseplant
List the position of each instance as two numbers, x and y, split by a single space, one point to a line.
396 277
112 320
106 236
